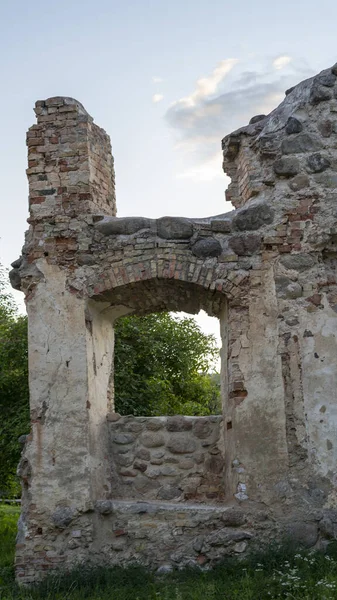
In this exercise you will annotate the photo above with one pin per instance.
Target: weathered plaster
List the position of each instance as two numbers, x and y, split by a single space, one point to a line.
318 354
58 394
261 415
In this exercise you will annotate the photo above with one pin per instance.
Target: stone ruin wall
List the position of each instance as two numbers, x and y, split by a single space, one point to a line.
167 458
267 270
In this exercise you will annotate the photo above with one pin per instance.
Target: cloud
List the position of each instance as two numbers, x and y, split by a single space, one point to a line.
157 79
206 86
157 98
226 100
208 170
281 61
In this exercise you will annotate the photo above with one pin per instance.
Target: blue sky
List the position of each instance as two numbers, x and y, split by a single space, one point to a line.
166 80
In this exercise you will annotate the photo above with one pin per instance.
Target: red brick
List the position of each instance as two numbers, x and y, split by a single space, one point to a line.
35 141
37 199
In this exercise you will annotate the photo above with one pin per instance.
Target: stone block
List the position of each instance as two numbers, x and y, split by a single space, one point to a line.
319 93
186 464
154 424
299 182
124 460
328 180
168 471
104 507
140 466
123 438
152 440
153 472
293 126
206 248
146 485
123 226
202 428
164 569
180 444
221 225
63 516
316 163
303 142
286 288
325 128
225 536
253 217
174 228
256 119
302 533
298 262
168 492
287 166
143 454
178 424
327 528
245 244
233 517
326 79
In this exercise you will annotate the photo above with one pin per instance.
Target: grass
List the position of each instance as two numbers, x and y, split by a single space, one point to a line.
8 519
275 574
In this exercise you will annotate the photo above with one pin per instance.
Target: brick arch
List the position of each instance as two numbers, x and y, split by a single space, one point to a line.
181 280
161 295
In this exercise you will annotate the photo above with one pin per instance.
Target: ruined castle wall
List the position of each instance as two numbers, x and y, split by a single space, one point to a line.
294 149
267 270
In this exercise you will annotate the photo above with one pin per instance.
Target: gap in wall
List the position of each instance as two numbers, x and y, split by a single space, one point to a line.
160 369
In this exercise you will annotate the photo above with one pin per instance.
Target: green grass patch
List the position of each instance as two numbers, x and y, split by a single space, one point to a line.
8 521
278 573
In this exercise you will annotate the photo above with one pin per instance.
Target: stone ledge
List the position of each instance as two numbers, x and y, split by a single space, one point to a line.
125 506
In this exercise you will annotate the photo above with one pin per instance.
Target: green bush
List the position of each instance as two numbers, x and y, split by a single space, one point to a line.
14 395
163 366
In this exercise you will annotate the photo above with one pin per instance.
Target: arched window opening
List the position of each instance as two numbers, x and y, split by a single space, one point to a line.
166 430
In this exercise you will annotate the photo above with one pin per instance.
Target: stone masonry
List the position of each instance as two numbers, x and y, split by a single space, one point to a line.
167 492
168 458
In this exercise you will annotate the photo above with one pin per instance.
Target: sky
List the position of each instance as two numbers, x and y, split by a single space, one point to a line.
166 80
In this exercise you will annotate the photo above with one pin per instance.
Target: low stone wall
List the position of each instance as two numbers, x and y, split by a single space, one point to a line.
164 535
169 535
167 458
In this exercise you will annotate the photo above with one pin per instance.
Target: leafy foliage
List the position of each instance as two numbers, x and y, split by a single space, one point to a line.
14 411
162 367
8 521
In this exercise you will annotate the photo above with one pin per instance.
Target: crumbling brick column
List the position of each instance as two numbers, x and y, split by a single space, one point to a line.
64 464
70 166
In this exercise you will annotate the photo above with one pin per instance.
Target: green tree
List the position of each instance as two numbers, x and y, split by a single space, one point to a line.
14 409
163 366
